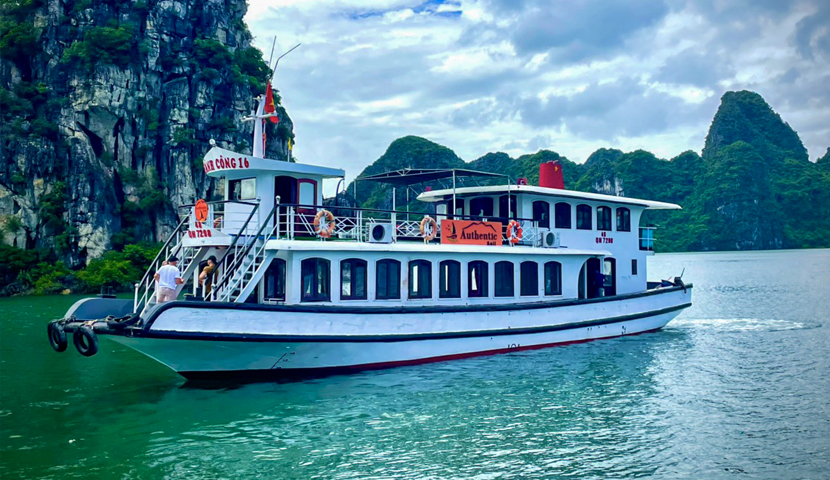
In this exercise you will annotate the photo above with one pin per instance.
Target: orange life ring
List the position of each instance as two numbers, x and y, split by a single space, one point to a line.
514 232
325 228
430 234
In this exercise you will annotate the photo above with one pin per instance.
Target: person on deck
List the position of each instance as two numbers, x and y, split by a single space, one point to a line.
168 278
206 277
599 281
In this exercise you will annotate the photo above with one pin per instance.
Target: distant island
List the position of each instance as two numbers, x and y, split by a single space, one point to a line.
105 127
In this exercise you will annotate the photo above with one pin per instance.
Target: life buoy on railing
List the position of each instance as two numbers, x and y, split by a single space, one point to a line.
324 228
429 229
514 232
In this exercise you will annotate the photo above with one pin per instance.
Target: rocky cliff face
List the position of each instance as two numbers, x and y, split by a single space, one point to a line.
108 107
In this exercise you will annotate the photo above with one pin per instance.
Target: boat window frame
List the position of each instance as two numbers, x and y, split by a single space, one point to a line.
557 217
422 293
482 204
354 263
525 283
501 282
584 212
278 278
625 226
604 222
387 262
443 279
557 269
318 296
242 187
543 218
483 281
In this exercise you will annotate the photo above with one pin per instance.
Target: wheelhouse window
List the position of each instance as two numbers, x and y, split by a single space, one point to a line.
477 284
316 275
583 217
562 211
541 213
507 209
623 219
529 279
553 278
450 279
388 280
504 279
275 280
420 279
604 218
481 207
353 279
242 189
307 192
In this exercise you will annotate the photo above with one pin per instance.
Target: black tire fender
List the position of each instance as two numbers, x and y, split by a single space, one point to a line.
57 336
85 341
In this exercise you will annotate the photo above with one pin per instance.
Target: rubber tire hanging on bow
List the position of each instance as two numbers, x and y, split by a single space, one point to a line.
86 341
57 336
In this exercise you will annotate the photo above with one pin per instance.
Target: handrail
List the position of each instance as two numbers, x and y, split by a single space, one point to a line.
236 239
217 202
161 250
231 269
375 210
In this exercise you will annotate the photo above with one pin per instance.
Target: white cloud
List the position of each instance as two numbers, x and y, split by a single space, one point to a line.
485 75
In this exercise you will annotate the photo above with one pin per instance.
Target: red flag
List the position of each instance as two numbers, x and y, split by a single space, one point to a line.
269 104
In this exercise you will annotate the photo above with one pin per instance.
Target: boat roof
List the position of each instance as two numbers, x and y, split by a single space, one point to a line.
446 194
411 176
251 164
418 247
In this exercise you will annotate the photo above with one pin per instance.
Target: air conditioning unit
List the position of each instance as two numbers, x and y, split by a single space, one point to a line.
549 239
380 233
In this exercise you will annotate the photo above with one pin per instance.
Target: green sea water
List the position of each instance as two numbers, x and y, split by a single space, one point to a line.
737 387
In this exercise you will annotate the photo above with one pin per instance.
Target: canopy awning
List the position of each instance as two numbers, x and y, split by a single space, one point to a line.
412 176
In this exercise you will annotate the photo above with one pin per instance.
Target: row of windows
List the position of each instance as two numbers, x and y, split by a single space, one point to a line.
562 216
315 279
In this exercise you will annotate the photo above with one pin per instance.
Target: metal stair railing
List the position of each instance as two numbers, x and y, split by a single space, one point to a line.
233 249
255 264
221 290
147 283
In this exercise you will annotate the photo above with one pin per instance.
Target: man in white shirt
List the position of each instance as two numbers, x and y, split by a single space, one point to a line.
168 278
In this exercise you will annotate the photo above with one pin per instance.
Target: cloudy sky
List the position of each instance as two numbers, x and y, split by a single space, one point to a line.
518 76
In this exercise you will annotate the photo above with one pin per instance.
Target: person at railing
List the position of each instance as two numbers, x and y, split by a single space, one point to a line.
206 277
168 278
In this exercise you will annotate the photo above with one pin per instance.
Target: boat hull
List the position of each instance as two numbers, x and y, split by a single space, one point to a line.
278 351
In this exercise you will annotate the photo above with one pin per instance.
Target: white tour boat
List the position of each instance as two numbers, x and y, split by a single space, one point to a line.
304 289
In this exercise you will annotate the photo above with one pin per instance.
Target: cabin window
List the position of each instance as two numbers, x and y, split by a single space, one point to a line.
308 192
583 217
275 280
541 213
353 279
504 279
243 189
477 284
450 279
562 211
388 280
420 279
505 210
634 266
316 280
481 207
553 278
604 218
459 206
623 220
529 279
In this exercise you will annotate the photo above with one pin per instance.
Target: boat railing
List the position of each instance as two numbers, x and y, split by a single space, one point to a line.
236 251
297 221
145 289
230 216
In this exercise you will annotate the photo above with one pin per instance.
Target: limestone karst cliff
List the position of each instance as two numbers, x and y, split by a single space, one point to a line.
107 110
